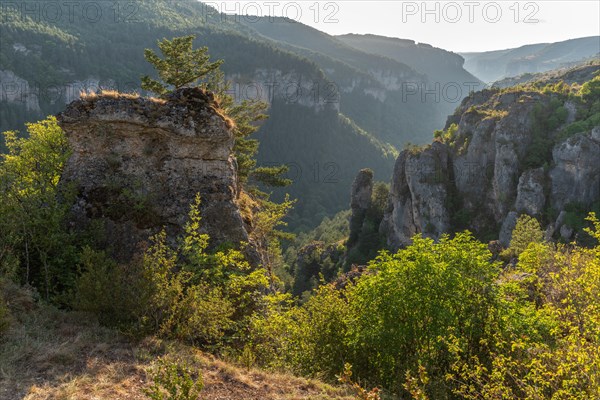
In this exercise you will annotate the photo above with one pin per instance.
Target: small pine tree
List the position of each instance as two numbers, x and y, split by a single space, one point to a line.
181 66
184 66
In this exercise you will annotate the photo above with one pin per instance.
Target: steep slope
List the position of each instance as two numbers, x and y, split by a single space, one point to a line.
437 63
47 353
38 80
441 66
568 75
322 176
533 149
383 95
491 66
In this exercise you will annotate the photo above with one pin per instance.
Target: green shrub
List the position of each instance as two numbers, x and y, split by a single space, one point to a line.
33 208
547 347
174 305
440 320
449 135
112 292
179 291
527 230
173 380
414 297
590 91
306 340
202 315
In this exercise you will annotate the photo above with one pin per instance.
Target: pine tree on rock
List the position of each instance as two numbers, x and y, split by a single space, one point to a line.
182 66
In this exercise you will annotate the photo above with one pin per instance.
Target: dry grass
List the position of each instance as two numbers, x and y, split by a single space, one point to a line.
157 100
248 207
221 113
85 95
112 94
52 354
115 94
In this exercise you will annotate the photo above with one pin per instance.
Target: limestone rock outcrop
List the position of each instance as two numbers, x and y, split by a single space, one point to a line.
360 200
138 163
418 195
479 175
575 177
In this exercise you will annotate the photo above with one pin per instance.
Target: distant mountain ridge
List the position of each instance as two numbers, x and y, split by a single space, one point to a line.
569 75
381 94
491 66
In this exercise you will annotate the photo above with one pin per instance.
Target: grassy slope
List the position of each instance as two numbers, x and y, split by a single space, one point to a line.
51 354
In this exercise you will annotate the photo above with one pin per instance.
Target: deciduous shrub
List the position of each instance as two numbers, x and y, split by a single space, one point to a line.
527 230
180 291
174 380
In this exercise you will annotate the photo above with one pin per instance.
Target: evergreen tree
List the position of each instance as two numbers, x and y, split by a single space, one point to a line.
184 66
181 66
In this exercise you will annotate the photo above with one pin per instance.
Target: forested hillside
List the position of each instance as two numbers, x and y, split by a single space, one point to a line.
214 212
79 57
442 67
382 94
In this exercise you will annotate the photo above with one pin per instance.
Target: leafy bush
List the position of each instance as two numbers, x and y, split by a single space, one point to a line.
414 297
441 320
549 348
180 291
112 292
448 136
33 208
527 230
172 380
588 114
194 295
307 340
590 91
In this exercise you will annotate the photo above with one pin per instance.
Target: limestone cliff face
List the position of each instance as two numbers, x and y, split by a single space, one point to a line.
138 163
478 178
418 195
360 200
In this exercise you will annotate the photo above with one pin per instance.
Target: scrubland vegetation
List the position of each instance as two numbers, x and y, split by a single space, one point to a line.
446 319
442 319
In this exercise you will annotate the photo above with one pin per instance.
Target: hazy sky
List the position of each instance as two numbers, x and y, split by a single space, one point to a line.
454 25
